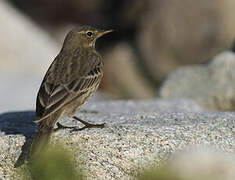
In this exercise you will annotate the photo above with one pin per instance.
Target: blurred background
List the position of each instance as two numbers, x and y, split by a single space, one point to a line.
152 38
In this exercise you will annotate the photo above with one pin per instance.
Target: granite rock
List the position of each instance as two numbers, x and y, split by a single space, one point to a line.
138 134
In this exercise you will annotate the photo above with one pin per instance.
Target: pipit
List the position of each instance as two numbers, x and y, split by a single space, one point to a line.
71 79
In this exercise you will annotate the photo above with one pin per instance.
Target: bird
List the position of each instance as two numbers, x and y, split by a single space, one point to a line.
70 81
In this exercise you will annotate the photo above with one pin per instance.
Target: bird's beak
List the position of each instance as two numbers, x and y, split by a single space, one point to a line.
101 33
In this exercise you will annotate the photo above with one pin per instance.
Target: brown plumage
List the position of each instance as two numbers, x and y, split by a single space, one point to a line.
72 78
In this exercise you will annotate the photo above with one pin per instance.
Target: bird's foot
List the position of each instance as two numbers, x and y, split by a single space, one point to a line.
75 128
60 126
87 125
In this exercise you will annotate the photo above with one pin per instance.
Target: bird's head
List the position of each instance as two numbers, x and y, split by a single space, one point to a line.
84 36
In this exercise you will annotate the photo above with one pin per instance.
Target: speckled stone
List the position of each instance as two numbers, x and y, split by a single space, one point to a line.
137 134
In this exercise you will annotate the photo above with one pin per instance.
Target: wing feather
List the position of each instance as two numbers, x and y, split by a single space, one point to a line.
51 98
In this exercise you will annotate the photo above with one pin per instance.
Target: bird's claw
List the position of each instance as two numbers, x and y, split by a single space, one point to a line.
88 125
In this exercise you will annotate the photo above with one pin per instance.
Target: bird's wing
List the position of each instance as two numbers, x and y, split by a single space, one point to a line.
52 97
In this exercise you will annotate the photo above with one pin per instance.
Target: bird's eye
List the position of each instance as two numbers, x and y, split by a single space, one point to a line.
89 33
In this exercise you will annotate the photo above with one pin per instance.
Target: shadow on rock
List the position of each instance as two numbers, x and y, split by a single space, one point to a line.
19 123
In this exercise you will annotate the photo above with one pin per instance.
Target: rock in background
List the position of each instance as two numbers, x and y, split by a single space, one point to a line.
122 71
164 34
24 47
26 51
174 33
203 163
197 162
211 85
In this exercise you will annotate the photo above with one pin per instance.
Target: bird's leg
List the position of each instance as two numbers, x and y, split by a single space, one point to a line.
87 125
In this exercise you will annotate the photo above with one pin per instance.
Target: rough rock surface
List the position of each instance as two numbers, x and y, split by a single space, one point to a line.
211 85
138 134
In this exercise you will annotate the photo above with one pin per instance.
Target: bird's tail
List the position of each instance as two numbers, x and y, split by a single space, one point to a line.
40 142
42 138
